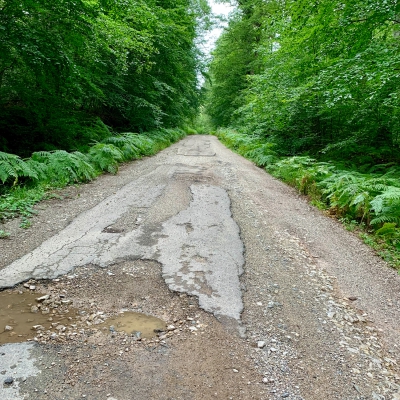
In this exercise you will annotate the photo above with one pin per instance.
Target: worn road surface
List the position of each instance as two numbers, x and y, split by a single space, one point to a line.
263 296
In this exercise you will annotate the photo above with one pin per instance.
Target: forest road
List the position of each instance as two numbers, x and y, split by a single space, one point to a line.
263 296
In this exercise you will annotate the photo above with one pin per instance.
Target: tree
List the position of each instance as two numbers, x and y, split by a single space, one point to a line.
327 77
71 72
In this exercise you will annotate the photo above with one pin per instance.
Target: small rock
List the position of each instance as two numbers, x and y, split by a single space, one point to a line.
32 287
34 309
38 327
9 380
331 314
285 395
8 328
260 344
273 349
235 370
171 328
271 304
43 298
353 298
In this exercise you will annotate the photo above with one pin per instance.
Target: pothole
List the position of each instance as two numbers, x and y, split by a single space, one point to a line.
27 316
24 315
133 323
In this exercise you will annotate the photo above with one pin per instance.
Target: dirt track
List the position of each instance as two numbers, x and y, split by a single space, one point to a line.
255 282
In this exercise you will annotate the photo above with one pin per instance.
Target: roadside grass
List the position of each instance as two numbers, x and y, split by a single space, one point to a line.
25 182
368 204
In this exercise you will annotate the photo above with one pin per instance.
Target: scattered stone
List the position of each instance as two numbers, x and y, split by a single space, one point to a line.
171 328
260 344
43 298
331 314
38 327
34 309
32 287
8 328
285 395
353 298
9 380
268 380
235 370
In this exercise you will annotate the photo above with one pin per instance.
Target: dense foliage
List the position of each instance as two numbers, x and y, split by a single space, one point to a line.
72 71
368 202
23 183
321 77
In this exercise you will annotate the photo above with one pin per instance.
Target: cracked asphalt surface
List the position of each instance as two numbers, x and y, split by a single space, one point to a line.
253 281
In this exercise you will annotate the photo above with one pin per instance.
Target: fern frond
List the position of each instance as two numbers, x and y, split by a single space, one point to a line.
63 167
13 167
106 157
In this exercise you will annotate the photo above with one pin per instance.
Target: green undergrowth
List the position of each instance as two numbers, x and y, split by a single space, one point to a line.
366 202
25 182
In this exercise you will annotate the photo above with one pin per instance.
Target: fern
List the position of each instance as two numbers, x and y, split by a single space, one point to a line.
106 157
62 166
144 143
126 144
13 167
386 206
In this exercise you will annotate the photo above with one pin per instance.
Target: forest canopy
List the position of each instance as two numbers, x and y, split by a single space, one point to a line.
321 77
73 71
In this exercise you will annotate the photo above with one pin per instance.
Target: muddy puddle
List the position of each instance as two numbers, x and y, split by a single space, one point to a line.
25 314
133 323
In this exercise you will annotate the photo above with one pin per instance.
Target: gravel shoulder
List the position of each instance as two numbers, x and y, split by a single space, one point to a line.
308 311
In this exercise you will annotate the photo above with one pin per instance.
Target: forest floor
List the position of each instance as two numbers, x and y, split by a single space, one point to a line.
263 296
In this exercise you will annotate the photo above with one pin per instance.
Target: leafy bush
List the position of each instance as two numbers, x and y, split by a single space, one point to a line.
370 199
126 144
252 147
55 169
105 157
13 167
62 166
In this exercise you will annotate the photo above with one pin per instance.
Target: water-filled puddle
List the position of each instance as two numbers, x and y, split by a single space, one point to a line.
34 316
22 316
131 323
